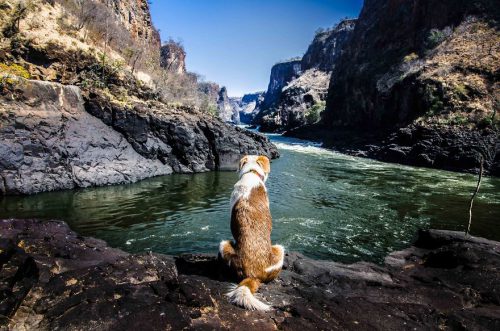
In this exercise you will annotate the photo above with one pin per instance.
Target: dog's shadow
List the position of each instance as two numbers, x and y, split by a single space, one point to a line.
209 266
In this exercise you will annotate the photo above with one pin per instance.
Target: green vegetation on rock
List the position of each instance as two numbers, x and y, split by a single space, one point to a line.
313 115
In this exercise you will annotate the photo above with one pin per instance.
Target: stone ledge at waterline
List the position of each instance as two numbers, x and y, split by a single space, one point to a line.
52 278
51 139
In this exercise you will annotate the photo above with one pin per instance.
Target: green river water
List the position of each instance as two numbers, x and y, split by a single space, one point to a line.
324 204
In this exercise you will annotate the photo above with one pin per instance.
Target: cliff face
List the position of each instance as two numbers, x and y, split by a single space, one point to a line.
418 84
422 59
327 46
52 143
226 110
52 138
136 17
281 75
249 106
173 58
301 99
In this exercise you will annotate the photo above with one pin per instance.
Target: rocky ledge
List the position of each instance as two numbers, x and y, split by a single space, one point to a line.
52 137
454 149
52 278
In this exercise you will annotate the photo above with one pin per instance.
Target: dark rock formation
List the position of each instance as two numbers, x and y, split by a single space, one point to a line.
186 140
412 65
51 278
173 58
454 149
382 78
49 141
327 46
226 110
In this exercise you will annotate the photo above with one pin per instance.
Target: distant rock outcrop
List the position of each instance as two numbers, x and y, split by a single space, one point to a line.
281 74
54 279
173 58
250 98
211 90
227 112
249 106
301 99
327 46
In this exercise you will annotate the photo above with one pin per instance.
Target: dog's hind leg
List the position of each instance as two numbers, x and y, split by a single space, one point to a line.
277 257
227 252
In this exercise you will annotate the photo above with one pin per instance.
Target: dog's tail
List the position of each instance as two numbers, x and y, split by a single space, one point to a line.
243 295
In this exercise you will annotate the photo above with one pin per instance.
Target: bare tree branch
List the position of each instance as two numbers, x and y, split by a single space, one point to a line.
473 196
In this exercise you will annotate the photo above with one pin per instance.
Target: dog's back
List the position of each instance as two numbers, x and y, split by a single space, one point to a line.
251 254
251 226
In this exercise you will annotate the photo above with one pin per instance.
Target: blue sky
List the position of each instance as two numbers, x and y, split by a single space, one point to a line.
236 42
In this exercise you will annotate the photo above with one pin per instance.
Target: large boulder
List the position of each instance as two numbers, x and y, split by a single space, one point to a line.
49 142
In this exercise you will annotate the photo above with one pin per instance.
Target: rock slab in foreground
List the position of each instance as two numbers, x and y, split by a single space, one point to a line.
52 278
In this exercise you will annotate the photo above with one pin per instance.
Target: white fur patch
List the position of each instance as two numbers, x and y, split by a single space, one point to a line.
221 247
279 264
241 296
248 180
244 186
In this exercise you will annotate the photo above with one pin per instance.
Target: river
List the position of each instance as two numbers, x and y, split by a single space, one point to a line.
324 204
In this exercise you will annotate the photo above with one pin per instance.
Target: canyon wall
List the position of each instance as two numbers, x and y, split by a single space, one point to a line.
300 100
281 74
427 57
327 46
417 83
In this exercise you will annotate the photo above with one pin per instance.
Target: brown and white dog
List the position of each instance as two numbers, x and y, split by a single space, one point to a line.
251 254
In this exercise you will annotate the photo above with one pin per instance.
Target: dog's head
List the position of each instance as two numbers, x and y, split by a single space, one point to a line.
259 164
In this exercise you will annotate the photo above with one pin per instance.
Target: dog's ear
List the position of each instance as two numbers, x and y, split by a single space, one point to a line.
243 161
263 161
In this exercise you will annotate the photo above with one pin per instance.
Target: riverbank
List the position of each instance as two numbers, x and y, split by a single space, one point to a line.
53 278
451 149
